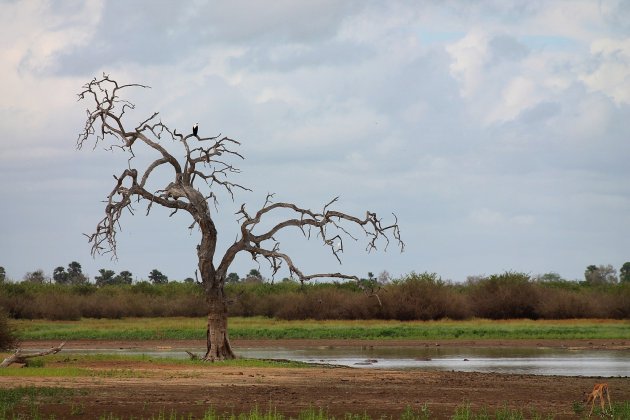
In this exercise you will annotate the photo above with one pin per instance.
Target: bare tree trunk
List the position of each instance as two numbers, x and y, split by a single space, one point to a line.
218 343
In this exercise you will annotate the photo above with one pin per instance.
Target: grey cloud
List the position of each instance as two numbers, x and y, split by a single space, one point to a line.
540 112
288 21
501 10
505 47
617 14
290 58
169 32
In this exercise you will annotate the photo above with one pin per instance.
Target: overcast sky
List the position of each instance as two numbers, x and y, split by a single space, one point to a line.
497 131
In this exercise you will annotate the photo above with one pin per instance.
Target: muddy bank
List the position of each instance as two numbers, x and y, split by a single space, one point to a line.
146 388
142 389
184 344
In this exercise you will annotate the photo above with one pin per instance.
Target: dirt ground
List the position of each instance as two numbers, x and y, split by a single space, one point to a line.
142 388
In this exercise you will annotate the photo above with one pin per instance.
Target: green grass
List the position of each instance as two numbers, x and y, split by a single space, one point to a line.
620 410
64 366
461 413
45 372
30 397
265 328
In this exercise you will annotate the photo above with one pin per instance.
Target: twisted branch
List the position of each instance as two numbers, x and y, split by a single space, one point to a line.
106 124
306 220
204 160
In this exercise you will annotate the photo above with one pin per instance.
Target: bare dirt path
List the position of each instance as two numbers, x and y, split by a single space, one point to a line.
143 388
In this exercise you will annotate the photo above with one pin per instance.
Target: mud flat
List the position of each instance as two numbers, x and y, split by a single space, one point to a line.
142 388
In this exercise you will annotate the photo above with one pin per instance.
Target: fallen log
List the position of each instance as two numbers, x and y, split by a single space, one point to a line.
19 357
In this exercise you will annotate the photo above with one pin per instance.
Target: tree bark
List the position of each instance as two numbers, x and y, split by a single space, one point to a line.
217 341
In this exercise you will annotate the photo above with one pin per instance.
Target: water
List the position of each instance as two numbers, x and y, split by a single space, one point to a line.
538 361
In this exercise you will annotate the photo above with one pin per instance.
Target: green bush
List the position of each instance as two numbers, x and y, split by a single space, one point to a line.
423 296
504 296
7 336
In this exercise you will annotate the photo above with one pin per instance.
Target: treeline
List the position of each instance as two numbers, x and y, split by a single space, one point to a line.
74 276
414 297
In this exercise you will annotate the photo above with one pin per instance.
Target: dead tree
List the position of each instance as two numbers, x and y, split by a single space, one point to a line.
201 171
20 357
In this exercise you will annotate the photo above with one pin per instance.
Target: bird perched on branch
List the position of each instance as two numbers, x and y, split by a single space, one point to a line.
195 129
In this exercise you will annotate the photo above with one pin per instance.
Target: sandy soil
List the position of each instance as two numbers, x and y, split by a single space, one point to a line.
145 388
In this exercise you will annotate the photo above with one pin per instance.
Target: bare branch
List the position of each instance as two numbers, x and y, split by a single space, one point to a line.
254 243
106 122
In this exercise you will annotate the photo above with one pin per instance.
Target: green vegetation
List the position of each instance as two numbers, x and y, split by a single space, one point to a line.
69 372
30 397
60 365
24 403
7 335
266 328
461 413
620 410
465 412
422 296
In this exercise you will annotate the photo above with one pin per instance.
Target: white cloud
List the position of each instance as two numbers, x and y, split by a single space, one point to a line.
33 103
611 72
469 56
461 117
38 32
518 95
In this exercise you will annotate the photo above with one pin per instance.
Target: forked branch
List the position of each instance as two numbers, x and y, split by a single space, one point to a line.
330 226
106 123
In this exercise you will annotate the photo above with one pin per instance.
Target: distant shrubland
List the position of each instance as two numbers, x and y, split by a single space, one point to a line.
415 296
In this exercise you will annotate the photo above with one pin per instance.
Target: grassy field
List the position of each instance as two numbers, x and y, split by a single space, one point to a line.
23 402
62 366
265 328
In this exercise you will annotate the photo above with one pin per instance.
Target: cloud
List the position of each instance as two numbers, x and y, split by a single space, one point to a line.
610 69
496 219
39 32
179 31
473 121
506 48
469 56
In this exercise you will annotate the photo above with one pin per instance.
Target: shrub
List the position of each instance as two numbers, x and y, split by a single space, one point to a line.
423 297
562 304
7 335
504 296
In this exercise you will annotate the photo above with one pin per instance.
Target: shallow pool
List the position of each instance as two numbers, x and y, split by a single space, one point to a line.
538 361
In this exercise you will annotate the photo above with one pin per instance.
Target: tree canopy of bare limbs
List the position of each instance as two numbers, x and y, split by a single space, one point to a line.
197 175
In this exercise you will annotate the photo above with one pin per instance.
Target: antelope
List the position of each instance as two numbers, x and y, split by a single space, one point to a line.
599 390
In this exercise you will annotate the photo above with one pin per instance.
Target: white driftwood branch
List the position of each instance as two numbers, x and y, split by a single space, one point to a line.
19 357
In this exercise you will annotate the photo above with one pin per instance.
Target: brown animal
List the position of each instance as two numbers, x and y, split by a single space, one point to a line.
599 390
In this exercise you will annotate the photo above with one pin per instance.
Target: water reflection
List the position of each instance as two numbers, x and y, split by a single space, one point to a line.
538 361
503 360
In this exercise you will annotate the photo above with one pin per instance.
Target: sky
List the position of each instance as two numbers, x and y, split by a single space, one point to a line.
496 131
